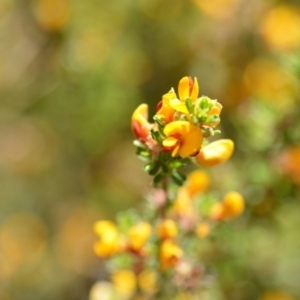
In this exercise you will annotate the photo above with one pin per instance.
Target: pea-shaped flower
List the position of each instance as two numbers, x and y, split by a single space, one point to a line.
182 138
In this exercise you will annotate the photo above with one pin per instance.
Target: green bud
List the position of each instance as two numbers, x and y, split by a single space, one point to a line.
189 105
158 121
156 135
176 164
152 167
158 178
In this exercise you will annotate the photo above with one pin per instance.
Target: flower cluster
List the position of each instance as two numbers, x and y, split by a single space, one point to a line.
161 245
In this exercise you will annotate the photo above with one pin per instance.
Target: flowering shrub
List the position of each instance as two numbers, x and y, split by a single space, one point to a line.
155 253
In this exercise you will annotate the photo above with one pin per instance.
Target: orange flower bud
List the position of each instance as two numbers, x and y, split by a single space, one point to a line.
167 229
215 153
215 110
139 122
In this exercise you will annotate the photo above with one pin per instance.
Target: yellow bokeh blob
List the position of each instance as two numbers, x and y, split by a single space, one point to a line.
276 295
124 282
265 79
23 238
280 27
217 9
52 15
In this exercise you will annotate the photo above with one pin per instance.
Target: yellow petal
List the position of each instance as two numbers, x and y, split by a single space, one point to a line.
184 88
215 153
178 105
216 108
191 142
176 151
179 128
169 142
140 114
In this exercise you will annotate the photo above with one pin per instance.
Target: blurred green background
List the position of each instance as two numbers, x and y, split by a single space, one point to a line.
72 72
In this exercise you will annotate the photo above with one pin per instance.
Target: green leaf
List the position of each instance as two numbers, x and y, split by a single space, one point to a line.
164 157
165 168
178 178
158 178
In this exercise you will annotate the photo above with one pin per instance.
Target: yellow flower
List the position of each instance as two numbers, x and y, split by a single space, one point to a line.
196 182
139 122
164 110
215 153
124 282
187 88
232 205
170 254
109 243
167 229
183 138
138 235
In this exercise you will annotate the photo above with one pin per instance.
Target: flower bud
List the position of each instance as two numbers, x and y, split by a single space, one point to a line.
215 153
